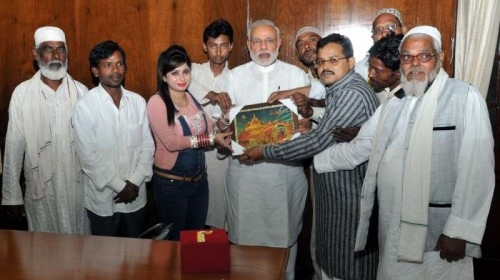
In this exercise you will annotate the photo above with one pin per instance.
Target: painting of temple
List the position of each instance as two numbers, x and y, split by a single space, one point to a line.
264 126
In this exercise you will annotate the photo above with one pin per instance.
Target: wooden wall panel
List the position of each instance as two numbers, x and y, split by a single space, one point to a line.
18 21
146 27
141 27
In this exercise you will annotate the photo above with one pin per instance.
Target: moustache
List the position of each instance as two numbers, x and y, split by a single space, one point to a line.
55 64
116 76
264 52
415 69
327 72
309 51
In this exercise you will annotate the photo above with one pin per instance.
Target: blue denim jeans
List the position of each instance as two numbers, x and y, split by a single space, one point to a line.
181 203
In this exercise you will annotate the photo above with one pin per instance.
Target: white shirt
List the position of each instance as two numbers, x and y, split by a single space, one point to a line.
348 155
266 199
203 81
113 145
318 90
362 66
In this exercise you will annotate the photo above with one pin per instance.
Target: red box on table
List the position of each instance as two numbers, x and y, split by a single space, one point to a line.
204 251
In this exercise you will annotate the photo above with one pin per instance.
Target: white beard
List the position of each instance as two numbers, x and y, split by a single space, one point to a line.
414 87
417 88
53 74
272 58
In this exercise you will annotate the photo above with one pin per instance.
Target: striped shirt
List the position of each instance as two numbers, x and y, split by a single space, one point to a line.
349 102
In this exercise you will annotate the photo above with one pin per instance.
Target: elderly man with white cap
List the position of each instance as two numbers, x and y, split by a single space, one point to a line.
431 169
39 133
387 22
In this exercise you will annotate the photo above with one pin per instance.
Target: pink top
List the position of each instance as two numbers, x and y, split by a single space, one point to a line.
170 139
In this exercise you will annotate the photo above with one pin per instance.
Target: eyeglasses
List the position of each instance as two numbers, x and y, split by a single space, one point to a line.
389 28
50 50
333 61
258 42
422 57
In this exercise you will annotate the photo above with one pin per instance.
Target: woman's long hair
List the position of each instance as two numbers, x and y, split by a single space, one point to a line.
168 60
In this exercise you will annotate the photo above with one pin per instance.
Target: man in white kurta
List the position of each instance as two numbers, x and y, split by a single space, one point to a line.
208 86
115 147
39 130
435 239
265 200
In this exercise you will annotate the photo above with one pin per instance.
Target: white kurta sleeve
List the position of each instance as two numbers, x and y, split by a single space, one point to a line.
14 152
318 90
318 113
230 88
197 88
475 174
348 155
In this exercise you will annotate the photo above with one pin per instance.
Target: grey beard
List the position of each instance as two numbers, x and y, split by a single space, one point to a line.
52 74
272 58
417 88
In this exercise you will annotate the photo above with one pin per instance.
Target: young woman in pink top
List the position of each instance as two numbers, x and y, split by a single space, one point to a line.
181 130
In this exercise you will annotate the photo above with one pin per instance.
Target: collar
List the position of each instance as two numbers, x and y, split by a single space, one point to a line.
104 95
342 82
266 69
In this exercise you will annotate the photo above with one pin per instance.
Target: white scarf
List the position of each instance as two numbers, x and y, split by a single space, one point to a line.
416 177
37 130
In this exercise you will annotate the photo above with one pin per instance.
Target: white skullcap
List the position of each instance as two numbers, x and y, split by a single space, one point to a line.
425 30
391 11
49 33
306 29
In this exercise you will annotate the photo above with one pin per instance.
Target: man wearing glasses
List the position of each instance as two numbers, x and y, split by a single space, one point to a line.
431 169
39 130
387 22
350 101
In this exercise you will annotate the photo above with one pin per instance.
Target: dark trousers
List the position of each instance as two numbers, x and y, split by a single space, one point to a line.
183 204
120 224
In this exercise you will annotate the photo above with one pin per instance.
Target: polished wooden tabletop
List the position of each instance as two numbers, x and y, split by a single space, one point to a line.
33 256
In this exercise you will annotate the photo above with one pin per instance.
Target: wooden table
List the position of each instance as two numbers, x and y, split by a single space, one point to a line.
31 255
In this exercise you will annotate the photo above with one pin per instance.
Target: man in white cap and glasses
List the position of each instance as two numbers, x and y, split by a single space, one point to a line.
388 22
431 169
40 132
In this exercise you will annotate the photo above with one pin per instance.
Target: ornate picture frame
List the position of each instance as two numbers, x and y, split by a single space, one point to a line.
264 124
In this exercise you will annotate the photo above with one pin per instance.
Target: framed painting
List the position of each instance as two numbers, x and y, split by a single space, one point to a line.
263 124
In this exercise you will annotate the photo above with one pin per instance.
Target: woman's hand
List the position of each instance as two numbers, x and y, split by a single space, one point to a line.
223 139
